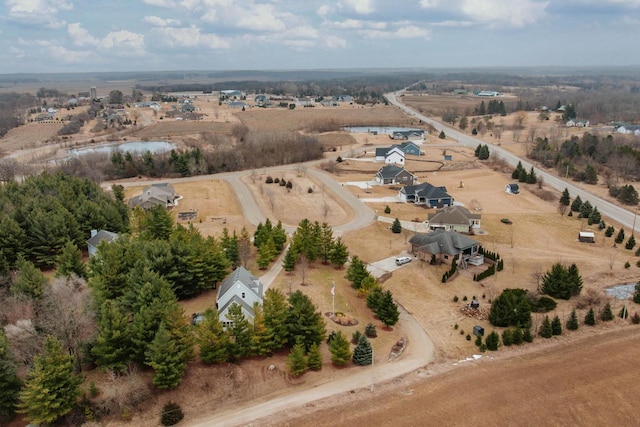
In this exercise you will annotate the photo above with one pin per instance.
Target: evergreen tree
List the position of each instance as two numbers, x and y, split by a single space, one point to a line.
507 337
585 209
546 330
561 282
229 245
590 318
339 348
363 353
357 272
158 223
51 388
482 110
29 280
305 322
279 235
9 382
636 293
370 330
289 261
492 341
266 252
442 135
211 338
595 217
527 336
70 262
388 310
181 331
631 243
239 332
262 337
396 227
518 171
477 151
517 336
606 314
572 321
296 360
166 358
511 308
339 253
325 243
276 309
484 152
609 231
532 178
374 298
556 326
620 236
565 199
112 347
575 205
590 174
314 358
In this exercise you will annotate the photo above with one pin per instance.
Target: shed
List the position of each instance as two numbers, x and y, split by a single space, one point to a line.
512 188
587 236
448 157
478 331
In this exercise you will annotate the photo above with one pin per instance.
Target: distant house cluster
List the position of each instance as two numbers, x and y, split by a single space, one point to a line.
487 93
629 129
578 123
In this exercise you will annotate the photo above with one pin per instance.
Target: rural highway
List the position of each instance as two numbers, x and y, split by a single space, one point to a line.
623 216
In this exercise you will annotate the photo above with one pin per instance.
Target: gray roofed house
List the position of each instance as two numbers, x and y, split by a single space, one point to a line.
392 174
413 134
241 288
454 218
97 237
427 194
445 245
161 194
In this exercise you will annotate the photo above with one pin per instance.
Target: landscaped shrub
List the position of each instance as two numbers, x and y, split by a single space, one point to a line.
543 305
269 180
171 414
387 210
370 330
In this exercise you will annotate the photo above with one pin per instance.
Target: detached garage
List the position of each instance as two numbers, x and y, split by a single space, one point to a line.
587 237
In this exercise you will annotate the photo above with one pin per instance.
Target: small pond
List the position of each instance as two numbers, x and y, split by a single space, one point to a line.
623 291
378 129
138 147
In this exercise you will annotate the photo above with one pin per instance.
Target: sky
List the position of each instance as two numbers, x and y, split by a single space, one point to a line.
40 36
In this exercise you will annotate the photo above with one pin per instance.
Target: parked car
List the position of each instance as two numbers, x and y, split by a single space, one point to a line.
403 260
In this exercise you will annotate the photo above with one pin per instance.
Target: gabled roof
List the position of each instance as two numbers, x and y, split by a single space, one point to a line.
101 235
426 190
442 242
452 215
243 276
156 194
389 171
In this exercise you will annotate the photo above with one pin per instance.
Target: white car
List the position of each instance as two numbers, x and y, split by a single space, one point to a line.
403 260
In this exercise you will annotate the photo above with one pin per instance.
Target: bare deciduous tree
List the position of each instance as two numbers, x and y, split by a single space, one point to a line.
326 210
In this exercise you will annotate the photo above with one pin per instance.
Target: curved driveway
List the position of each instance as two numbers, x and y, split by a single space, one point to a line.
623 216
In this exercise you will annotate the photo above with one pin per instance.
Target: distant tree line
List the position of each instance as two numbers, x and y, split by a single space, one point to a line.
12 108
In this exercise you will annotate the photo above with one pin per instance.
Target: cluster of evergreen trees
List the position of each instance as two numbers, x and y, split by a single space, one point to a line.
493 107
482 152
315 241
561 282
382 304
41 214
522 175
270 242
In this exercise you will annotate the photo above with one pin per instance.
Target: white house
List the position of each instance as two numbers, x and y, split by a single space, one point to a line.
394 156
240 288
579 123
629 130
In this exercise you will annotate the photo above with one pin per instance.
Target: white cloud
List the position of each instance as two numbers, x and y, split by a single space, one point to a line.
64 55
404 32
429 4
261 18
334 42
355 24
161 22
125 42
299 44
190 37
496 12
450 23
361 7
38 11
81 36
160 3
324 10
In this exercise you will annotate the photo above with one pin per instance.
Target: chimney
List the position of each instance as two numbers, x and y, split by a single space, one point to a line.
93 233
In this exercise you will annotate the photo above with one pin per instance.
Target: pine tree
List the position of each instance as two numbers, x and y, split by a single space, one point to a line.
289 261
527 336
507 337
631 243
339 253
565 199
325 243
296 360
276 309
517 336
229 245
590 174
279 235
9 382
477 151
636 293
29 281
606 314
266 252
211 338
314 358
518 171
239 332
595 217
363 353
51 388
340 350
575 205
585 209
590 318
556 326
370 330
305 322
388 310
70 262
262 337
396 227
484 152
374 297
158 223
492 341
113 346
356 272
546 330
166 358
442 135
181 331
572 322
620 236
532 178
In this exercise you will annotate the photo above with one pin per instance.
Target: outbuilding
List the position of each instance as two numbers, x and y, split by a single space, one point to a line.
587 236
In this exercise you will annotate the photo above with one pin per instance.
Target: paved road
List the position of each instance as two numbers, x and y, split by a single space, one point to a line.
621 215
